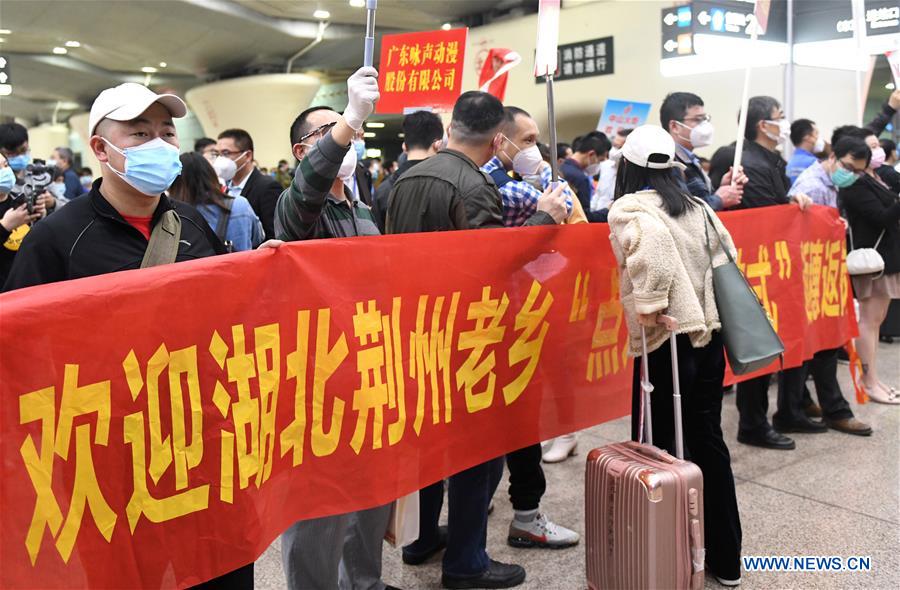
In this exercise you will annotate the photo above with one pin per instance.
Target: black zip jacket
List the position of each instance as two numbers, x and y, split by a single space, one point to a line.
88 237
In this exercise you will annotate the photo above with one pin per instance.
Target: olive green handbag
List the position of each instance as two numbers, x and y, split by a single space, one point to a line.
751 342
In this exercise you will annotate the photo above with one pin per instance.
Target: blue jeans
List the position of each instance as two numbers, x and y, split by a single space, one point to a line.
469 495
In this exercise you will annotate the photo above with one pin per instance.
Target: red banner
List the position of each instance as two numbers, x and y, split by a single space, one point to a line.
163 426
421 70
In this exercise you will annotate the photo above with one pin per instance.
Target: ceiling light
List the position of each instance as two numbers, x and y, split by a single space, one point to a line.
162 64
322 14
357 3
368 134
375 125
148 70
2 40
60 50
889 86
73 44
446 26
5 32
401 135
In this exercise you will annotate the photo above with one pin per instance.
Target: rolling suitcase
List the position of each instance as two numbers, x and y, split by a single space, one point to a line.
644 509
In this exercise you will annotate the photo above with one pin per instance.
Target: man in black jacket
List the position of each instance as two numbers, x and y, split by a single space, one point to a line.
423 133
448 192
767 185
246 180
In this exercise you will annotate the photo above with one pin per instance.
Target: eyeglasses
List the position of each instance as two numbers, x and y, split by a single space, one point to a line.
700 119
317 131
229 153
850 168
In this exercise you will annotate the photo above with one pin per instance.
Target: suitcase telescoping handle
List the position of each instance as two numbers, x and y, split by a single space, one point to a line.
646 388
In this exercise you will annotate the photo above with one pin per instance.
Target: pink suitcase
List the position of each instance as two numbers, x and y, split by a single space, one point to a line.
644 510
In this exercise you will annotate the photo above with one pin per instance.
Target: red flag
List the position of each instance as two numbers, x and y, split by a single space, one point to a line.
494 71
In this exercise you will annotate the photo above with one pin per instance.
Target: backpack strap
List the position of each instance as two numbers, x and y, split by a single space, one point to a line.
163 245
224 217
500 177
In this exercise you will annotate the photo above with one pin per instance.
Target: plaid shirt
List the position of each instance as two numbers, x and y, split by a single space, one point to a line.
815 183
520 197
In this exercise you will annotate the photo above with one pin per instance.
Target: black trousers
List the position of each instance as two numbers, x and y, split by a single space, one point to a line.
526 478
752 400
823 368
239 579
701 372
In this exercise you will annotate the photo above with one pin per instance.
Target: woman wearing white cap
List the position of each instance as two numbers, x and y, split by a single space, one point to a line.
658 235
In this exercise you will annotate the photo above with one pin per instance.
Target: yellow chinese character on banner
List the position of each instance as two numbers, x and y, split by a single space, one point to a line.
428 52
605 358
449 79
404 55
415 55
436 80
757 274
532 330
401 81
487 315
429 357
413 82
831 300
452 52
391 53
812 277
424 79
390 81
440 53
56 441
172 449
371 396
293 437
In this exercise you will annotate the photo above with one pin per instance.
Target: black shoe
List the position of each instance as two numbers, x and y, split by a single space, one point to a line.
498 575
416 558
389 587
813 410
803 425
767 439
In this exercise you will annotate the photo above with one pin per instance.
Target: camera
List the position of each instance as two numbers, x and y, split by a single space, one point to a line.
38 176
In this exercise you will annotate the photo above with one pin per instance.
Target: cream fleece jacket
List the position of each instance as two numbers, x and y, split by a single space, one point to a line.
664 266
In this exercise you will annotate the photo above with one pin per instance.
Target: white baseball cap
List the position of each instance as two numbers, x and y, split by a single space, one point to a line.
127 101
651 146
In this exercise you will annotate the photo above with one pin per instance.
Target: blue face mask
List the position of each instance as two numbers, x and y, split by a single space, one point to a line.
360 147
150 167
7 179
19 162
843 178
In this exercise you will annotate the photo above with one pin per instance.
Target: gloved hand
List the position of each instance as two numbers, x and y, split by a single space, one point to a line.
362 91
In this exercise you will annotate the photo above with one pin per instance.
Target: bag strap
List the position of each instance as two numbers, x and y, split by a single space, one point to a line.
163 245
222 222
707 223
878 241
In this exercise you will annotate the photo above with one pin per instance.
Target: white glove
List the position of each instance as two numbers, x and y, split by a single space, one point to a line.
362 91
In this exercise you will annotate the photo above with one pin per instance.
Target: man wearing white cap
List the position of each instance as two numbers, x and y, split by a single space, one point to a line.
112 228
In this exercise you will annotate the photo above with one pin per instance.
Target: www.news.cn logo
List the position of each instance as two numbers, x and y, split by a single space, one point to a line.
807 563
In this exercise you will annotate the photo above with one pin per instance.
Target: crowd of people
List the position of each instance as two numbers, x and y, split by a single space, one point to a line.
487 169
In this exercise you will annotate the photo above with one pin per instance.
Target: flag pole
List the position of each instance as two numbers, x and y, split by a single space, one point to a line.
551 115
545 65
745 100
369 52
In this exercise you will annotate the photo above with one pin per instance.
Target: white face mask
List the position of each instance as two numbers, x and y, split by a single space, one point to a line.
348 166
615 153
701 135
526 162
226 168
784 130
819 147
593 169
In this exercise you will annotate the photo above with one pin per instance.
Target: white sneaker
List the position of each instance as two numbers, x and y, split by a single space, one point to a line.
540 532
726 582
562 448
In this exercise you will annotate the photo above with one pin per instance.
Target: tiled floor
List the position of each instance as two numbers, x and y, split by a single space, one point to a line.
834 495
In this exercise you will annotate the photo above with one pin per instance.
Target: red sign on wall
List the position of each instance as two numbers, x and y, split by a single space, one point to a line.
421 70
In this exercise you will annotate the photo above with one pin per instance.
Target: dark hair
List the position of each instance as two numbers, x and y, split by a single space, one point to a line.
545 151
203 143
197 184
509 117
624 132
595 141
476 117
12 136
66 154
675 106
849 131
631 178
854 146
888 146
800 129
421 129
86 170
301 126
561 149
241 138
758 109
